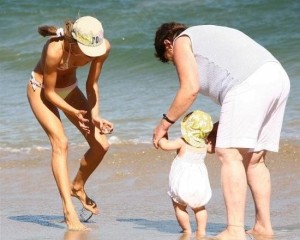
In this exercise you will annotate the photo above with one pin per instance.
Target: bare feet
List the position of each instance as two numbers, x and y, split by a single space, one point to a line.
185 236
232 233
260 229
72 235
200 234
262 234
86 202
73 222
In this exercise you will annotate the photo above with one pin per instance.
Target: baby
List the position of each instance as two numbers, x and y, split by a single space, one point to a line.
189 184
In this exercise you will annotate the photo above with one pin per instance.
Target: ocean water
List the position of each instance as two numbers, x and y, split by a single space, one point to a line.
135 88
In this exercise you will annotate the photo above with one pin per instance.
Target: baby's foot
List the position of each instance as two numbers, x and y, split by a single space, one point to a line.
86 202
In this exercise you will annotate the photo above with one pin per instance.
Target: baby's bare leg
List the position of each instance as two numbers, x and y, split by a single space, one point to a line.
182 217
201 219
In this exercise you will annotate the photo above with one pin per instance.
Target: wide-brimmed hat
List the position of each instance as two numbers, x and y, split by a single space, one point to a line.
89 34
195 127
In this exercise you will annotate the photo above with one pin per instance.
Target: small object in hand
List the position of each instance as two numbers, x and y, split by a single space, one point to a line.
106 130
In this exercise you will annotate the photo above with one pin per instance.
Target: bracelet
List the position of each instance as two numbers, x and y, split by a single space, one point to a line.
167 119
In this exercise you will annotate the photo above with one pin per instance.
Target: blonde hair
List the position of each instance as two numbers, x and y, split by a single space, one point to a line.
47 30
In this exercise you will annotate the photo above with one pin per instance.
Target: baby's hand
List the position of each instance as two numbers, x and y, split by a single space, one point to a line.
212 138
211 146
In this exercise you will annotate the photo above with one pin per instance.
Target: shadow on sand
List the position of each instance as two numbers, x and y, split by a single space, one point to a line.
168 226
43 220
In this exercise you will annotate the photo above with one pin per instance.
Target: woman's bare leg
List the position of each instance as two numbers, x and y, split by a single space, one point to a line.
234 184
98 147
48 117
259 181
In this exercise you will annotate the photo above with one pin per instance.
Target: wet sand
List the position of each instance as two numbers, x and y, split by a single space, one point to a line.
130 187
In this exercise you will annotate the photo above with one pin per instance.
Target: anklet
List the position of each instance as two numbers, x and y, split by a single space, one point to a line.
232 225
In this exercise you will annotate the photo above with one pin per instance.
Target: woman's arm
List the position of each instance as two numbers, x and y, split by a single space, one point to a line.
92 90
189 85
53 54
187 71
92 87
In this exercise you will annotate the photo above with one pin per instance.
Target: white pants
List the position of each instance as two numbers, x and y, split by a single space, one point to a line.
252 112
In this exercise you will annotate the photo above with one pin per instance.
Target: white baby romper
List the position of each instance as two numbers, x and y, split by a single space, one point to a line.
188 180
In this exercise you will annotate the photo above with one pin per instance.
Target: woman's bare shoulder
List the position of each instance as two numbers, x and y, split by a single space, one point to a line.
53 51
55 47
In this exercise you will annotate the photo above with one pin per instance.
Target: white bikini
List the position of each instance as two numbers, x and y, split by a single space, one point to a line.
62 92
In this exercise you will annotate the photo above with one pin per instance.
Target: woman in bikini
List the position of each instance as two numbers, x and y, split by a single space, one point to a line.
53 87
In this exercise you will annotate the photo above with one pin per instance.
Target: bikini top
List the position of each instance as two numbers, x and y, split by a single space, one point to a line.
65 65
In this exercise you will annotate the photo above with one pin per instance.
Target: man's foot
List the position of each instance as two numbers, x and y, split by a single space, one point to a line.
86 202
232 233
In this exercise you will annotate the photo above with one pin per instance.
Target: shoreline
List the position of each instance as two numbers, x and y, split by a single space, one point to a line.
11 158
130 186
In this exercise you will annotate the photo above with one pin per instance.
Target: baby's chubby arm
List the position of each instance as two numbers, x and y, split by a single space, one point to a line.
169 145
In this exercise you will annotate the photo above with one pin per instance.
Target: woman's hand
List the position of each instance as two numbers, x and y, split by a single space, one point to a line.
105 126
82 121
159 132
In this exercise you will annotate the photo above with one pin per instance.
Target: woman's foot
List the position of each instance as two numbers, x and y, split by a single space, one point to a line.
72 235
232 233
200 234
261 229
185 236
73 222
262 234
86 202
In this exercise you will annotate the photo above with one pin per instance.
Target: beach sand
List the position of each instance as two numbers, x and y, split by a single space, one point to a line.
130 187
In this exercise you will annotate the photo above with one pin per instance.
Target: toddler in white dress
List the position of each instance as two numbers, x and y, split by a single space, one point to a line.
189 184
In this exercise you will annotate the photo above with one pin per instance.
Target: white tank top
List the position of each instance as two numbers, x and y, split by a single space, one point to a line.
225 58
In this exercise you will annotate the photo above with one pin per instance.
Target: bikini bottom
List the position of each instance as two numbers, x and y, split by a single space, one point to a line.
62 92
